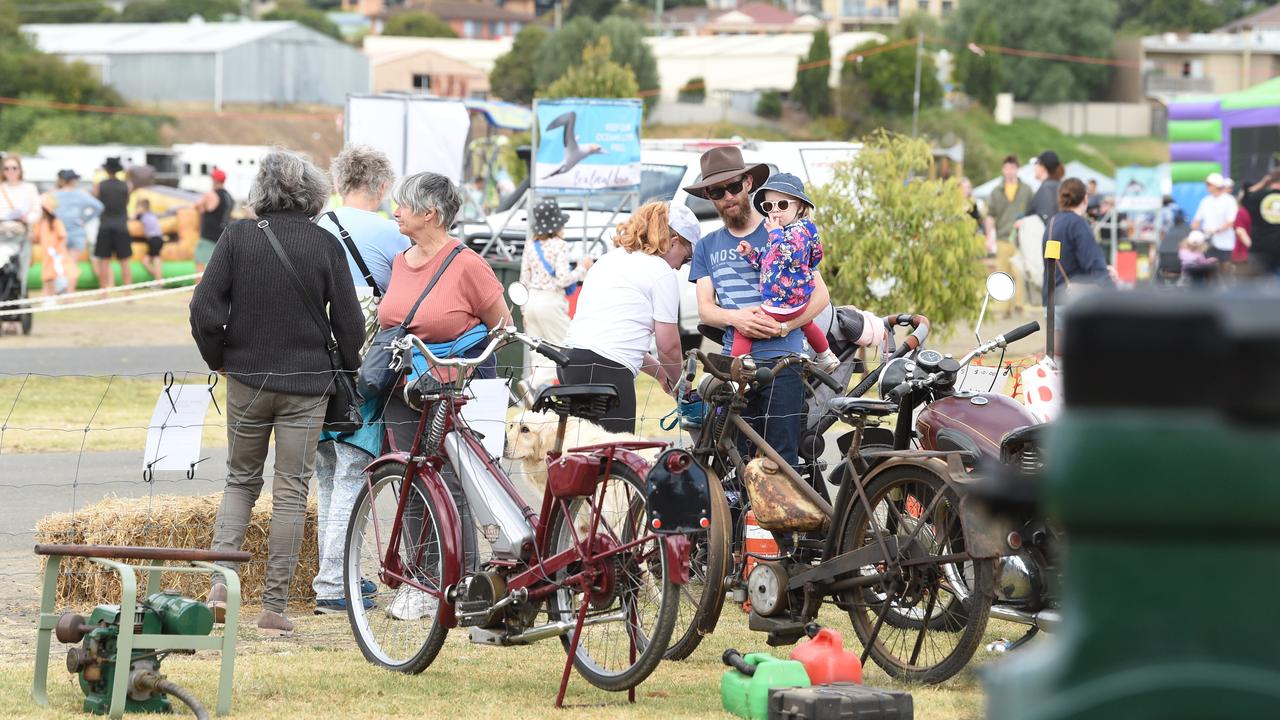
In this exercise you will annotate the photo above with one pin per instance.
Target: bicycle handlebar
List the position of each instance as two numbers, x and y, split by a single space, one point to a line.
500 336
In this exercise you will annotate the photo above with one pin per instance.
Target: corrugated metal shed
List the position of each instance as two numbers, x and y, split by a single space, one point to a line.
261 63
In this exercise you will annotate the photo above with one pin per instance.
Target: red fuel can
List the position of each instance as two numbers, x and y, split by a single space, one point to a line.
825 658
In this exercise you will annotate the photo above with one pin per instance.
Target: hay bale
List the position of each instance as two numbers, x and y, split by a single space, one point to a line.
172 522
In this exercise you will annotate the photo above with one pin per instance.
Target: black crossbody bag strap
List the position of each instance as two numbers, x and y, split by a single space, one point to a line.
443 266
355 254
316 315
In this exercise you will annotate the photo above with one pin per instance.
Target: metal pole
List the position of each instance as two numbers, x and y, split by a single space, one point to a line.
915 100
657 20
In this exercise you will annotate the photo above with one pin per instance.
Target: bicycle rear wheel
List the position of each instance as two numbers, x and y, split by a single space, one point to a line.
401 631
633 605
923 619
702 598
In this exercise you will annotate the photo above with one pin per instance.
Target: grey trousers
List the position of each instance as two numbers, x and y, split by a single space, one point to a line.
252 415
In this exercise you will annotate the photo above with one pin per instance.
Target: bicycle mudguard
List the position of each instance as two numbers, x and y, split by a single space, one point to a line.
983 537
677 494
450 527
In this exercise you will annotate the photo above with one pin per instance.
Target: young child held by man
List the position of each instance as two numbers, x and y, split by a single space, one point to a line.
786 266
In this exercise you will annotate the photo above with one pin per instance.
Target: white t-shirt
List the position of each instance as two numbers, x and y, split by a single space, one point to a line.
1214 212
622 297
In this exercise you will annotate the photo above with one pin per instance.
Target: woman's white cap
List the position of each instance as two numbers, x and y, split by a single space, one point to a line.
684 222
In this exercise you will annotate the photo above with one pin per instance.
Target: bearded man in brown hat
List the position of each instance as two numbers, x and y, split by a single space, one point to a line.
729 296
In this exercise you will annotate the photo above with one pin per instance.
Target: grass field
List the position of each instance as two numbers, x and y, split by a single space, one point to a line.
321 673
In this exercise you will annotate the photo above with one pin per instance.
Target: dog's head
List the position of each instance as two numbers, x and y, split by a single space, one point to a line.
530 436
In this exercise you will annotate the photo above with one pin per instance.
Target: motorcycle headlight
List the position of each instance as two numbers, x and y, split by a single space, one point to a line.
894 374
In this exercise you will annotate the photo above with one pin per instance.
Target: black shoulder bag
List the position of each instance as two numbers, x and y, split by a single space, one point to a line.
355 253
376 377
343 412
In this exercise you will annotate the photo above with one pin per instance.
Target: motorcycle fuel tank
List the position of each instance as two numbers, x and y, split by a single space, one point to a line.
974 422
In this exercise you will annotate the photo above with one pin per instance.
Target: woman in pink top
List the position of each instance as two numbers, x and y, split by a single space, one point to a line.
466 295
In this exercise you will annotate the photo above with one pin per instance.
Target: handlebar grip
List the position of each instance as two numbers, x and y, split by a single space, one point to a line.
824 378
553 353
899 393
1018 333
690 367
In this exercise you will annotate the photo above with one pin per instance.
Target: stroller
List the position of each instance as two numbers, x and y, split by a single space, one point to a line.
15 259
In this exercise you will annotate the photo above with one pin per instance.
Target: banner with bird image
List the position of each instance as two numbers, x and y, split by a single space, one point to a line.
586 145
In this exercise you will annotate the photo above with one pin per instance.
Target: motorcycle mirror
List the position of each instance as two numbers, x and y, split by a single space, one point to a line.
1000 287
518 293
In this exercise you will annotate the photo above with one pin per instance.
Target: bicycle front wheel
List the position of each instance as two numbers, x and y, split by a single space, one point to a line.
632 603
922 620
399 628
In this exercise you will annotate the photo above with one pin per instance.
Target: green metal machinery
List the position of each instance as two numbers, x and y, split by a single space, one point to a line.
1162 474
96 658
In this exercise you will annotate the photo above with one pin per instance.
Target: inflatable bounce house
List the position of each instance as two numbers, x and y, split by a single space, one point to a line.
1237 134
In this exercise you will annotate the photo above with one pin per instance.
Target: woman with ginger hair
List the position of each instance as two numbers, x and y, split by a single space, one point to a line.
630 297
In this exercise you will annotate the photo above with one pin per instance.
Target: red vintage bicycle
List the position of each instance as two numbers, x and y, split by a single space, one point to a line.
587 568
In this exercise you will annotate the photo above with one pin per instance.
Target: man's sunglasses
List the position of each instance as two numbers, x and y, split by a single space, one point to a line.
769 205
717 192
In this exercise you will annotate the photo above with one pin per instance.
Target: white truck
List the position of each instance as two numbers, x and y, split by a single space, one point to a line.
667 167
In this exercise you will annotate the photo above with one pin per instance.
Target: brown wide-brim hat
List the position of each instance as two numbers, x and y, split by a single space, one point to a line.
725 163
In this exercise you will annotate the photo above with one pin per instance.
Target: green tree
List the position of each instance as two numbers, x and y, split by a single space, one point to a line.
418 23
512 76
916 23
596 76
26 128
981 76
1159 16
769 105
694 91
813 81
564 49
65 11
594 9
298 12
885 82
897 239
153 11
1080 28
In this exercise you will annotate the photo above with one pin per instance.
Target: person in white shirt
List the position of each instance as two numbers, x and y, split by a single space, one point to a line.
1216 218
629 299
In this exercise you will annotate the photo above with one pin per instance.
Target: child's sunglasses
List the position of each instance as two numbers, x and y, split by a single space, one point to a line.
769 205
718 192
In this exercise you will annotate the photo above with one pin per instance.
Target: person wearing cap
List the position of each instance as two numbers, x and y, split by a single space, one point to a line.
113 227
1216 218
631 298
544 269
787 266
1049 171
215 212
729 296
76 208
58 270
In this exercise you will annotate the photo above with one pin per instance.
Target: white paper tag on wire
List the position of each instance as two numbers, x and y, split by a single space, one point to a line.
486 412
173 437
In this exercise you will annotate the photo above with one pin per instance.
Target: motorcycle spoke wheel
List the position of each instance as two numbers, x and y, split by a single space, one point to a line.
401 630
639 609
924 619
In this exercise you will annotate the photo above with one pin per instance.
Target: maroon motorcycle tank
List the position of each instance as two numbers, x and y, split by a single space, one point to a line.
983 418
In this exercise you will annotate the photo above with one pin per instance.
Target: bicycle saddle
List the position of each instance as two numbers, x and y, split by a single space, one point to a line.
589 402
846 406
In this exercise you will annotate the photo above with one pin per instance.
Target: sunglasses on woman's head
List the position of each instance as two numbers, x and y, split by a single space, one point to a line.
770 205
719 191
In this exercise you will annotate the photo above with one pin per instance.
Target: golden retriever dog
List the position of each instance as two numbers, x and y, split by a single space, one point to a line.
531 435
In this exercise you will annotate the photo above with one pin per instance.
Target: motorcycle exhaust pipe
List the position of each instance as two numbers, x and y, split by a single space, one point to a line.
1047 620
563 627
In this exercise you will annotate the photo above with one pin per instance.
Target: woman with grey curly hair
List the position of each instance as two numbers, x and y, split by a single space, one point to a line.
466 295
251 322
